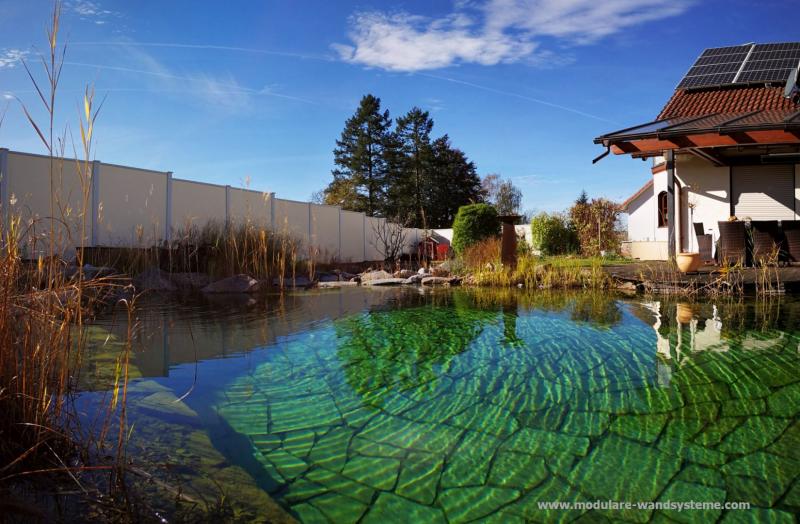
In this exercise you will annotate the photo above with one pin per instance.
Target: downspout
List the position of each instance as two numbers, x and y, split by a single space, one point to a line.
670 161
602 155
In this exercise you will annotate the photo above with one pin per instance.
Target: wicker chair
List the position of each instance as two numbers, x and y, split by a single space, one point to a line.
767 241
791 233
704 242
732 243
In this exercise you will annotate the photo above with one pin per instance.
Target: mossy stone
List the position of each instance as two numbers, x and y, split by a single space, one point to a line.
545 443
419 477
679 491
754 433
645 428
389 508
470 503
517 470
378 472
620 469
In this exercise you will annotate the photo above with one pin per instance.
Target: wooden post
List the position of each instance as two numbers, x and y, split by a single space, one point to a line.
670 160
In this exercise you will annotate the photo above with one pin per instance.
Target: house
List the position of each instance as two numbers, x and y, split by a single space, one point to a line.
726 144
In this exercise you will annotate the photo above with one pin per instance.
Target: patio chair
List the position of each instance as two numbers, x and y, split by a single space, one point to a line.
704 242
732 243
791 233
766 241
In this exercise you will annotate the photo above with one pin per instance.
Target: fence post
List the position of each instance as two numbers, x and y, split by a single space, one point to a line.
364 216
4 198
168 226
95 205
339 249
309 227
227 206
272 211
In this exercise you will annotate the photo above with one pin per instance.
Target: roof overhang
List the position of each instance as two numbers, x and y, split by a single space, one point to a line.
764 127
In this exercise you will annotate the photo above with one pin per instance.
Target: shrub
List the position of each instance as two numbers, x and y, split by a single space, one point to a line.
597 225
473 223
552 234
478 255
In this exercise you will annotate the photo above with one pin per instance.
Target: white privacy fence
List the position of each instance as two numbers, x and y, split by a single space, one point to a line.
134 207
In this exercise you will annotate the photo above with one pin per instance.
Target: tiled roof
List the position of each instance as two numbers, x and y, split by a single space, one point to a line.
725 100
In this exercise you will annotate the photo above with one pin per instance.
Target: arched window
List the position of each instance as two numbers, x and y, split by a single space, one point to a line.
663 216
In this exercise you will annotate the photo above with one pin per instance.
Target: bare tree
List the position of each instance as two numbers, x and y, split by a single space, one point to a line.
390 238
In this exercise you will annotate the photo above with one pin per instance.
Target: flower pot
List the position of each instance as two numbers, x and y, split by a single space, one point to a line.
688 262
685 313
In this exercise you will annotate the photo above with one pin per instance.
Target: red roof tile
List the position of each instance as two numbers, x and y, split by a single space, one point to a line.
726 100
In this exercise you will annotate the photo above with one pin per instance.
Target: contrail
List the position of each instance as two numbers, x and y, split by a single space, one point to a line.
230 87
206 47
517 95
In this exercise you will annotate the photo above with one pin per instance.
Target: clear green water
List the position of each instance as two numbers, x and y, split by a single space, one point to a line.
455 406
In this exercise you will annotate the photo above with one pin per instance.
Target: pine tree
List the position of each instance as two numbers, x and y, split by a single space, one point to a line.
411 182
360 177
454 183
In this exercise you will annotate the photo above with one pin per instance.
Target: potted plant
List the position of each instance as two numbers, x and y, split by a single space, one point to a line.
689 261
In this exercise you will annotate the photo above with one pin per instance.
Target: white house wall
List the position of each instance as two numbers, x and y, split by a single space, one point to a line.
709 190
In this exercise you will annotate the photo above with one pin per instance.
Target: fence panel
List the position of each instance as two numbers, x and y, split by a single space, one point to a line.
292 218
133 206
28 188
325 232
250 206
196 204
375 227
352 236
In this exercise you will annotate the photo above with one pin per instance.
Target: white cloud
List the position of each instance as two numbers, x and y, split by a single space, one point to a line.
10 58
403 42
493 32
88 10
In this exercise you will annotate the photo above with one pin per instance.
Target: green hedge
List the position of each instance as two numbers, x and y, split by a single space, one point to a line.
472 224
552 234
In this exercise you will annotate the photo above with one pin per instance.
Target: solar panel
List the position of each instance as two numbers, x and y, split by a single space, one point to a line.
741 65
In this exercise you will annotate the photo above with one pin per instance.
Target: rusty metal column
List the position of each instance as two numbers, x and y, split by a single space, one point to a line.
508 249
670 161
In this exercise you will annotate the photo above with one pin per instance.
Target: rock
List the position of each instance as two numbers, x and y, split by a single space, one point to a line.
337 284
296 282
440 272
234 284
454 281
90 272
404 273
328 277
413 280
384 282
190 281
423 271
375 275
344 275
628 287
435 281
154 279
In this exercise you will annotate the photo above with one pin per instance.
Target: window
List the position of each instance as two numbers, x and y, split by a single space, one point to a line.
663 216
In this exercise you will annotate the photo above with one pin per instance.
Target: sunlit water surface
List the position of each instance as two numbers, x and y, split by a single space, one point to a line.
401 406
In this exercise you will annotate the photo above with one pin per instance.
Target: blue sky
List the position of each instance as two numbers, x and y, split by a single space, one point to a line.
257 92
